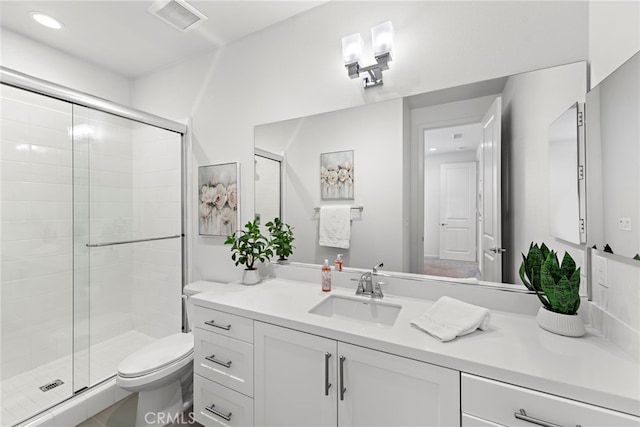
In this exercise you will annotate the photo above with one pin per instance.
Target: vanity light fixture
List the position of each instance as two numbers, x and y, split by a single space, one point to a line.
382 37
46 20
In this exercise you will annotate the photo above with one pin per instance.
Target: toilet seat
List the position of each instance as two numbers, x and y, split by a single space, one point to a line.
158 355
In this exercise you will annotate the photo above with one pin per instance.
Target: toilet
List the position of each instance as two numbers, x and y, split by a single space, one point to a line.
162 372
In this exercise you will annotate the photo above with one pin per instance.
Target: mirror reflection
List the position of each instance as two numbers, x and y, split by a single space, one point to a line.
613 176
566 176
452 183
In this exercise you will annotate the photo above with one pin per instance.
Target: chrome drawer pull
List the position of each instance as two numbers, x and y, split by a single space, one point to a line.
522 415
215 325
213 359
214 411
342 388
327 384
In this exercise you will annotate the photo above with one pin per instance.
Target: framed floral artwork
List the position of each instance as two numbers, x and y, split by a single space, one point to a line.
336 175
218 199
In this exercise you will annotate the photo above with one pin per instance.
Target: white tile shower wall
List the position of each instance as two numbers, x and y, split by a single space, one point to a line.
156 213
110 200
36 231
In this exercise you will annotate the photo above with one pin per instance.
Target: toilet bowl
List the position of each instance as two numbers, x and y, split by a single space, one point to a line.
162 373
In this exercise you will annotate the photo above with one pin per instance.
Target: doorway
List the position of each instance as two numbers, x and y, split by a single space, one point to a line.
450 200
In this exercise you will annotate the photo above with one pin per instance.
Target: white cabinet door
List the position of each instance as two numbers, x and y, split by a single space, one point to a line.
292 373
381 389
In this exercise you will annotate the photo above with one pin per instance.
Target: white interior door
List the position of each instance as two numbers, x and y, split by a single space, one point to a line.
490 219
458 211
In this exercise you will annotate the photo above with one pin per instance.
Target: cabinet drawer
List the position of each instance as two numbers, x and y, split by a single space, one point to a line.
499 402
225 360
216 405
223 323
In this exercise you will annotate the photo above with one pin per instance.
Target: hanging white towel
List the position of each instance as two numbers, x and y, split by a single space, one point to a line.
449 318
335 226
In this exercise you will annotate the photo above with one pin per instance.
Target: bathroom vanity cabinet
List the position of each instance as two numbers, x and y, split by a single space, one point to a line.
262 359
303 379
492 403
223 368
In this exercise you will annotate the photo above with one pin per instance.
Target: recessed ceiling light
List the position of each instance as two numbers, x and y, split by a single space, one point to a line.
433 149
46 20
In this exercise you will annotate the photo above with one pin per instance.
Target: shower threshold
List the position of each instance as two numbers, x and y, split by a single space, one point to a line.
22 396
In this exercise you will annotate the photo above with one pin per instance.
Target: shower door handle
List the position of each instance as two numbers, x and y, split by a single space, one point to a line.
124 242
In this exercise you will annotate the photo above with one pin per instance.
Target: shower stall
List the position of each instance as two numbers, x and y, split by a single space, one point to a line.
92 233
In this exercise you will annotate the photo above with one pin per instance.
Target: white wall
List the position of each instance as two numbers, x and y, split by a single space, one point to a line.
530 103
614 35
32 58
439 44
614 307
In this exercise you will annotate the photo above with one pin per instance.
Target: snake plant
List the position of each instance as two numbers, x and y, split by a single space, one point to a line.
556 285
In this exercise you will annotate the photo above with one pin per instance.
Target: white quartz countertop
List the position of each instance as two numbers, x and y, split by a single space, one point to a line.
514 349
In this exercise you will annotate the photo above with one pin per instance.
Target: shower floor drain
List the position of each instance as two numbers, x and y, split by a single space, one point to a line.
51 385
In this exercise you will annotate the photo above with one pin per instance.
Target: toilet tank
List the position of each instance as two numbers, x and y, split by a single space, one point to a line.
190 290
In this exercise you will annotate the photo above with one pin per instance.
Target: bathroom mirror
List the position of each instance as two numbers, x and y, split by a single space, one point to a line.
613 159
566 176
396 173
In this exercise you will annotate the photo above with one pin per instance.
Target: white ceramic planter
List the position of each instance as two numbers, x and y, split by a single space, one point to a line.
561 324
250 277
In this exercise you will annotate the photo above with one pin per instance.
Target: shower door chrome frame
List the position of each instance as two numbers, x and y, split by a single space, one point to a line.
20 80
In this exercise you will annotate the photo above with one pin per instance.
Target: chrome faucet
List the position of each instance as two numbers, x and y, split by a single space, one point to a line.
366 285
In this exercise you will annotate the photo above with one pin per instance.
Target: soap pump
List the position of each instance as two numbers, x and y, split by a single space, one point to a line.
326 276
339 262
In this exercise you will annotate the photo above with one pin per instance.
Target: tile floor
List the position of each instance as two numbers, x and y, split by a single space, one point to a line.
22 397
123 414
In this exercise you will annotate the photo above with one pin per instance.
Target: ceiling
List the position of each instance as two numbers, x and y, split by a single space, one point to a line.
442 140
122 36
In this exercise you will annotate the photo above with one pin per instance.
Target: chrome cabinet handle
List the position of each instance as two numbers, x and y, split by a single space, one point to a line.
342 389
213 359
214 411
522 415
216 325
327 384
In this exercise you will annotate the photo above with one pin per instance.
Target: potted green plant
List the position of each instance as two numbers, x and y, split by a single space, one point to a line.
249 246
557 286
281 238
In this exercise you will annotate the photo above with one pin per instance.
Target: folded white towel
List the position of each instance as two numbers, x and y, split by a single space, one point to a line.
449 318
335 226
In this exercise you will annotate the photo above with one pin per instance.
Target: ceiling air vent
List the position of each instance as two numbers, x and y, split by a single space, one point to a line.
177 13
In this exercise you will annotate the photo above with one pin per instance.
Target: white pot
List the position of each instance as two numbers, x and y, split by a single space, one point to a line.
569 325
250 277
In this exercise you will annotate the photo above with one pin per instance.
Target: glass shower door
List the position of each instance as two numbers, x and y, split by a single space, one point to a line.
91 246
131 228
37 253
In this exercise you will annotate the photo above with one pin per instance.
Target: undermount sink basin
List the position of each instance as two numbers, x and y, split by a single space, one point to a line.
353 308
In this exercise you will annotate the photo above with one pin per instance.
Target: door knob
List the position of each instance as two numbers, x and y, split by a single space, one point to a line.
498 250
